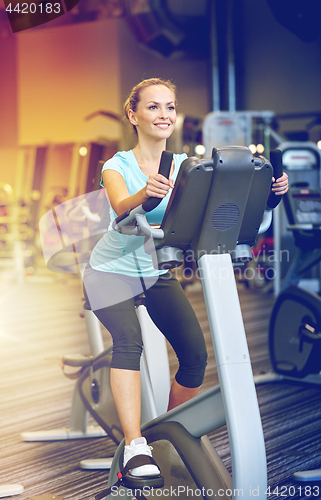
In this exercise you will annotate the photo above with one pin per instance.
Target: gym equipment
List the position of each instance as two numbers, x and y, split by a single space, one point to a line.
67 260
222 128
302 163
229 193
57 229
295 335
9 490
303 208
295 324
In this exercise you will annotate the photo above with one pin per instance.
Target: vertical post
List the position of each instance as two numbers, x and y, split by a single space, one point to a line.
277 250
249 470
230 55
83 173
94 333
267 140
221 24
214 73
222 56
74 173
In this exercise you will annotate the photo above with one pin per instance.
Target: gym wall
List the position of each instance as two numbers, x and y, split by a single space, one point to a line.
66 73
62 74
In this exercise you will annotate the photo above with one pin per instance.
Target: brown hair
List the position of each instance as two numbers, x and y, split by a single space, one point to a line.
134 97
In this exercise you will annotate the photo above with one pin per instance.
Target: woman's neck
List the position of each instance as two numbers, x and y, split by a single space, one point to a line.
148 156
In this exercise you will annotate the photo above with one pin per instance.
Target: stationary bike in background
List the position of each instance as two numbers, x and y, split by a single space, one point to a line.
68 233
302 162
72 217
295 323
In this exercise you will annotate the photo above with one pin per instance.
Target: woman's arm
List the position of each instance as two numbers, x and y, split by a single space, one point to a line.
156 186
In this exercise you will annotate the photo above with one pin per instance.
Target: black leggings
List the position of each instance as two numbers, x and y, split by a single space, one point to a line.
169 309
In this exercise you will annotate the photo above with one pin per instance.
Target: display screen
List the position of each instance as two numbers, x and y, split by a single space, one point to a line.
300 159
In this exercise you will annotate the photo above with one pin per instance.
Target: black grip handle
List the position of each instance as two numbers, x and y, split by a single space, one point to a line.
164 169
148 205
276 162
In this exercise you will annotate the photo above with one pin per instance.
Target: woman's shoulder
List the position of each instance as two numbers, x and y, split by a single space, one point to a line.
119 157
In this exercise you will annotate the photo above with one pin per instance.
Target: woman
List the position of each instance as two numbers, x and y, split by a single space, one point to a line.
117 267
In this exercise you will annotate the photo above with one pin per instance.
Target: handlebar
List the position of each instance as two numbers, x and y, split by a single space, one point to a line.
276 162
164 169
133 222
266 221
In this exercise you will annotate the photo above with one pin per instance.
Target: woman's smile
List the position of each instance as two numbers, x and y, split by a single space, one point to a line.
162 125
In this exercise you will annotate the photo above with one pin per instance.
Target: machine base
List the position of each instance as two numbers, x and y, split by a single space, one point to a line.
63 434
8 490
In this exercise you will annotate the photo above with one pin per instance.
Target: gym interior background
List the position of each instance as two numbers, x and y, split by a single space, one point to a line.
62 89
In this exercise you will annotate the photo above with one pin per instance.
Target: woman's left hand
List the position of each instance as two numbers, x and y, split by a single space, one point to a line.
280 186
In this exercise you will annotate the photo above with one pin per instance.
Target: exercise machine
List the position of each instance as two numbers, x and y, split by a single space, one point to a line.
64 258
215 210
295 324
302 162
67 250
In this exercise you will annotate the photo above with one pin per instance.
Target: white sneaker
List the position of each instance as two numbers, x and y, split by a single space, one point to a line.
139 446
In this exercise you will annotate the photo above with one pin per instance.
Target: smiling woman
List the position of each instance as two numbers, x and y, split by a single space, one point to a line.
119 265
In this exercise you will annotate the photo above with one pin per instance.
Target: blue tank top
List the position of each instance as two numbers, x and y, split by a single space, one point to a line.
122 254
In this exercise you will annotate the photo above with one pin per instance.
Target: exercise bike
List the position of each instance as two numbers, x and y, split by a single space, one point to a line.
68 251
215 210
295 324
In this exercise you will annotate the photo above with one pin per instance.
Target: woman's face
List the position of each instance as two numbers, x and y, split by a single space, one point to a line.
155 115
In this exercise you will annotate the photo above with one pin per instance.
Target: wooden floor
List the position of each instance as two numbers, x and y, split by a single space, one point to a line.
41 319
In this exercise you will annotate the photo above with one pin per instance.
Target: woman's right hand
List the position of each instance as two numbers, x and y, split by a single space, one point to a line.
119 198
158 186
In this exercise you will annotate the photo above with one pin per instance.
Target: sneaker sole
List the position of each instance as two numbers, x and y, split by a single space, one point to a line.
134 482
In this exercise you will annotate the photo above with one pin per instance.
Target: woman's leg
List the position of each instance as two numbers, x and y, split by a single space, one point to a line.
118 316
173 314
179 394
120 319
126 389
